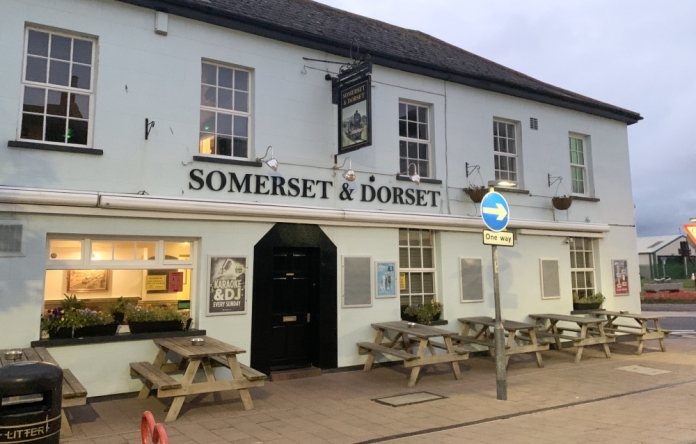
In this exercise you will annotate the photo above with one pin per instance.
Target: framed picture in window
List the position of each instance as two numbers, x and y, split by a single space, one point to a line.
85 281
620 268
386 279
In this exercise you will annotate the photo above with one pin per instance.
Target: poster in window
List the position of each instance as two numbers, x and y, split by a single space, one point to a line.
176 281
354 110
386 279
226 285
620 277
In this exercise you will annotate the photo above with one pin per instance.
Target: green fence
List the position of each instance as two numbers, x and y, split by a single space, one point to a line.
673 268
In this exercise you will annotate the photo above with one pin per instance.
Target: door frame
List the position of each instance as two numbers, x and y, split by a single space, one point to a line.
295 235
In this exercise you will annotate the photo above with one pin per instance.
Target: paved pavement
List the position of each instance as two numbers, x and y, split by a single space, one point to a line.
593 401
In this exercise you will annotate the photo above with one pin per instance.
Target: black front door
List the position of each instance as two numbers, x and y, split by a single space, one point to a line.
294 340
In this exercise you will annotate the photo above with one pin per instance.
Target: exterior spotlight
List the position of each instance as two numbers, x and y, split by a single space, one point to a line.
500 183
348 174
272 162
415 177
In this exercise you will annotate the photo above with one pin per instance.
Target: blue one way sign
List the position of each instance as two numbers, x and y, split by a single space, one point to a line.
495 211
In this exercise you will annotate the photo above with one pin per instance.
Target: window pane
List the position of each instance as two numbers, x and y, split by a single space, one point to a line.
209 74
38 43
124 251
423 132
57 103
102 251
32 127
79 106
423 151
423 168
55 129
240 126
412 150
501 130
36 69
224 98
207 121
511 131
588 260
34 99
579 260
495 128
403 258
412 113
65 250
59 72
428 283
511 146
145 251
241 147
428 258
241 80
402 111
224 146
206 143
82 51
402 129
60 47
412 130
512 164
414 237
208 95
180 251
224 124
402 149
422 114
416 283
403 165
81 77
495 144
225 77
403 237
415 258
241 101
77 131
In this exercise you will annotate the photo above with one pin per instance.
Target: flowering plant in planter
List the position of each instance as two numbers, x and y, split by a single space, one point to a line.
425 313
588 302
61 323
142 319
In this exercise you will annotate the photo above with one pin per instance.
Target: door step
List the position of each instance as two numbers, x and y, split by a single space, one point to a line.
295 373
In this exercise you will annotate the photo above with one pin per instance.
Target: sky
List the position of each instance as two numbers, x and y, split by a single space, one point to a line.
635 54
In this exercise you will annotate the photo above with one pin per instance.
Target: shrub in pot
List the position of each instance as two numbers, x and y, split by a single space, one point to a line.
118 310
155 319
476 193
589 302
423 313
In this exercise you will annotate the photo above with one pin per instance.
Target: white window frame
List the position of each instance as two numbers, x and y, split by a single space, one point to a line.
68 89
230 112
575 269
498 154
583 166
422 270
86 262
428 142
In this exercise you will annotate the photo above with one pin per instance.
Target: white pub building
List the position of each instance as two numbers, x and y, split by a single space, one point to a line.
215 157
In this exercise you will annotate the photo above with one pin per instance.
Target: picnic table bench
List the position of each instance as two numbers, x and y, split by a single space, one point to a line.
590 332
406 337
477 330
641 329
193 357
74 393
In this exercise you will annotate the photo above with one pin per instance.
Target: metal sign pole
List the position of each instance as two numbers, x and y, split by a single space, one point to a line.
499 336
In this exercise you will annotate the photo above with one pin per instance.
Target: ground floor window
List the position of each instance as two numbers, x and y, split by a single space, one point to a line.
582 271
416 267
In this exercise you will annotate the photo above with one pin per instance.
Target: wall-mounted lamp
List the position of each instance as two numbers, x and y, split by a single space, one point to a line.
148 127
414 177
569 240
500 183
554 179
272 162
348 174
471 168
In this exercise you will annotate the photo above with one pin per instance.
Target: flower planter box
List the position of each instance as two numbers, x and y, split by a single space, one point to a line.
588 306
155 326
83 332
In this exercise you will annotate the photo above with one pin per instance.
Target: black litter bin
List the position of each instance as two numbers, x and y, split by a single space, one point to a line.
31 394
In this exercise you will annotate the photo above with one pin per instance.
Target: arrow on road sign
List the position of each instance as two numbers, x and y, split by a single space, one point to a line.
499 211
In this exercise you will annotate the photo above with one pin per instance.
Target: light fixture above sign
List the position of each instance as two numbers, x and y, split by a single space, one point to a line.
272 162
348 174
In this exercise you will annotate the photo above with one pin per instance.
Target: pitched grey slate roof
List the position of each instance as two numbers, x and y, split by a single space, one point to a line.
317 26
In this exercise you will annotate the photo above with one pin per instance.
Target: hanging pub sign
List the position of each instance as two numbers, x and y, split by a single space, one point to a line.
226 285
354 108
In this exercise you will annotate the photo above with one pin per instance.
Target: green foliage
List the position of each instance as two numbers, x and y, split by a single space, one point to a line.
424 312
140 314
73 319
593 299
120 305
71 303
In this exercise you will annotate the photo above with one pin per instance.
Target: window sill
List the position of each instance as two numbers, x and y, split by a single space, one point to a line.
586 199
227 161
59 148
511 190
403 178
125 337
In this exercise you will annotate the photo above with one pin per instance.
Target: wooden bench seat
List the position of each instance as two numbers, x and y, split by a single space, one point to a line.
459 349
482 342
156 376
248 372
364 346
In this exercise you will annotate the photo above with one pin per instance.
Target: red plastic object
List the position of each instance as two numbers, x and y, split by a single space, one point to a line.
151 433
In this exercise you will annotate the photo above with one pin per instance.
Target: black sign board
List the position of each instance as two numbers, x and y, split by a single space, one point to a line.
354 109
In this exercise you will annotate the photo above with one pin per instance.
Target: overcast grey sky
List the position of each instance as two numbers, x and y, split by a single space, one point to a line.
636 54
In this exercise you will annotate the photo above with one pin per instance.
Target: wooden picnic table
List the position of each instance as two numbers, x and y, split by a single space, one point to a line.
73 394
641 328
405 336
590 331
213 352
477 331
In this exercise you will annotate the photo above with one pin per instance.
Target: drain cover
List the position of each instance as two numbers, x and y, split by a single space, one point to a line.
643 370
408 399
